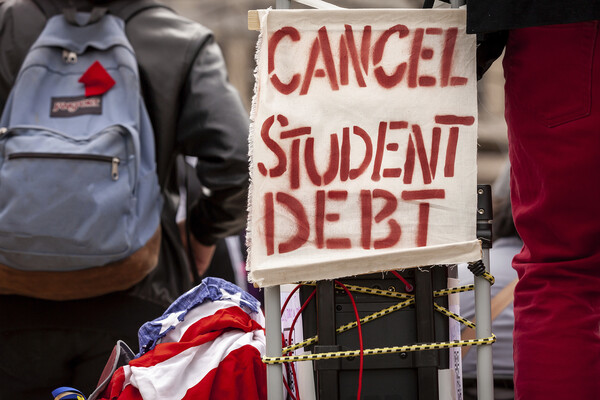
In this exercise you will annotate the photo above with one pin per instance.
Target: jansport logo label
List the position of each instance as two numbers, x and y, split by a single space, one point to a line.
73 106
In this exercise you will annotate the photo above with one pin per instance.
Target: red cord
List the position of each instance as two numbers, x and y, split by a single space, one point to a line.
360 338
288 298
291 365
409 288
314 292
312 295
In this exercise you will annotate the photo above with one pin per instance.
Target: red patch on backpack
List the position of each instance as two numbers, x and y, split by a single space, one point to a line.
96 80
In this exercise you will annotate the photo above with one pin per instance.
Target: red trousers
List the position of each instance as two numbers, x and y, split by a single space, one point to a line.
553 114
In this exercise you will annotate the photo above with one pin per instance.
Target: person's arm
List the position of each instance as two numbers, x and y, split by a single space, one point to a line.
213 127
202 254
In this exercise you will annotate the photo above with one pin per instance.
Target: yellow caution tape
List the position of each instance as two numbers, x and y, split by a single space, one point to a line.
382 350
409 300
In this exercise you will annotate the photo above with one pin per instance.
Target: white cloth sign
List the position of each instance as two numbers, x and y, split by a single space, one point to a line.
363 143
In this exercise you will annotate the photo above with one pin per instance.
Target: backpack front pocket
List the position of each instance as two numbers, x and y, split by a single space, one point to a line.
67 206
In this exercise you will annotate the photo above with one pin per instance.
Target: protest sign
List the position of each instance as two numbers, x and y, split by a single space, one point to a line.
363 143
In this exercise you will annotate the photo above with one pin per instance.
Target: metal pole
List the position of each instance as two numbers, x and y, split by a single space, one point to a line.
483 316
483 312
273 335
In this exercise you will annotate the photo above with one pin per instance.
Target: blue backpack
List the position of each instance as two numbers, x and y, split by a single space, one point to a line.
78 182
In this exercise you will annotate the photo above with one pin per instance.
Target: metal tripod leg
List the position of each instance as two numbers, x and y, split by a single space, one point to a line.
483 316
483 312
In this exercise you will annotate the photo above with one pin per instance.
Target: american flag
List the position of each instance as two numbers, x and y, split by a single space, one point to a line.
207 345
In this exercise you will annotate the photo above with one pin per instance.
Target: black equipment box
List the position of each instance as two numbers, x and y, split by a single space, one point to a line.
397 376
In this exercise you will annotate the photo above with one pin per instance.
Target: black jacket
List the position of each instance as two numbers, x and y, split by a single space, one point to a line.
498 15
492 19
194 111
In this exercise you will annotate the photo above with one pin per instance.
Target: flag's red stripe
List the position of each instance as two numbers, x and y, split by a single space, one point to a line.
240 376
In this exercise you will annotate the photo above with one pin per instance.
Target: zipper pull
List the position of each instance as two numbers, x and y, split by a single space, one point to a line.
69 57
114 172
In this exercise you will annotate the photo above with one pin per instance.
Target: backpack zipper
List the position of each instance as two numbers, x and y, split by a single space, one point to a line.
114 161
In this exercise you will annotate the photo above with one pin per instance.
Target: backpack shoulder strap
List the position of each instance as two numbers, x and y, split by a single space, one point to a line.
49 8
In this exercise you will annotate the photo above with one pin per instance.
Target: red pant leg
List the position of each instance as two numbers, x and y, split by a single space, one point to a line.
553 115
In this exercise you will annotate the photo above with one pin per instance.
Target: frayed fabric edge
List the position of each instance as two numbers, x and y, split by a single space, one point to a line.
253 111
